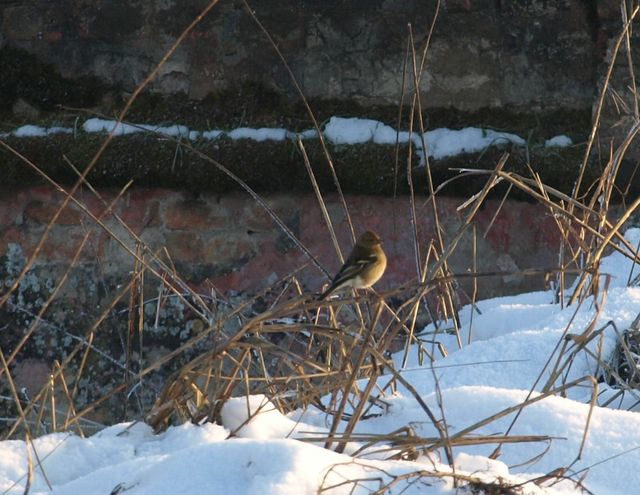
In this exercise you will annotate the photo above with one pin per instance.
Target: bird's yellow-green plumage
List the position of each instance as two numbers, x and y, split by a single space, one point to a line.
364 266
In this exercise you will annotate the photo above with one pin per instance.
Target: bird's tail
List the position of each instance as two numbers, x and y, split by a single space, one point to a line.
327 292
324 295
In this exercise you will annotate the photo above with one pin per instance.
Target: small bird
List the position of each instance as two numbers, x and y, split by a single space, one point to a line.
364 266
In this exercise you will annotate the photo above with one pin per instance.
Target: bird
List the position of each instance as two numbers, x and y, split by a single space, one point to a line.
364 266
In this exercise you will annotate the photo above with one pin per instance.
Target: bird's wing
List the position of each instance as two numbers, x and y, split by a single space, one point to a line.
357 263
353 268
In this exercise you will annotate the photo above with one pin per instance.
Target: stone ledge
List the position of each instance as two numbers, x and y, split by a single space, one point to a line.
269 167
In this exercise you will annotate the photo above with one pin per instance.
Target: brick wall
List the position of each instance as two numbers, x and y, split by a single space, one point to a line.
232 243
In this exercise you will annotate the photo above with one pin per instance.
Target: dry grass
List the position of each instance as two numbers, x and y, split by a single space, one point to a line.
301 352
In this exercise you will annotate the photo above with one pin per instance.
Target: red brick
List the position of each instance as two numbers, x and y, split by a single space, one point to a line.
223 249
192 215
11 235
38 213
185 246
45 194
31 374
189 232
139 215
42 213
255 217
234 280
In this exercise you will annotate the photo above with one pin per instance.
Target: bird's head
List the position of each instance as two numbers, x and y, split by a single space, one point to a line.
369 239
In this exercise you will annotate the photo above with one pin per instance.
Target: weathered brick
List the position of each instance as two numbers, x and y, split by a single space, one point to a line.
31 374
42 213
243 258
140 215
62 245
189 214
222 249
11 234
185 246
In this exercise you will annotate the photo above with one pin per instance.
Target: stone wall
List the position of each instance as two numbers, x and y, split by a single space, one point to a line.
536 54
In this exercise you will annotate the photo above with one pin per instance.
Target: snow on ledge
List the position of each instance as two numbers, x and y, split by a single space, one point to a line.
102 125
561 141
440 143
37 131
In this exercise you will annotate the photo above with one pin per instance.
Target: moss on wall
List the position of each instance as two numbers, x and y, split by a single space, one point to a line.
272 166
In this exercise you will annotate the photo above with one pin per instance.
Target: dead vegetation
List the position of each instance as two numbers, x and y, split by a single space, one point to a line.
301 352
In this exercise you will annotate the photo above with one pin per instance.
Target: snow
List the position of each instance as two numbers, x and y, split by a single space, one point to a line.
440 143
357 131
213 134
561 141
102 125
446 142
262 134
266 420
37 131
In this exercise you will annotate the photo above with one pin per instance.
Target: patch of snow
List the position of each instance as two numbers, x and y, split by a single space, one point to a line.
30 131
170 130
441 143
101 125
262 134
212 134
561 141
340 130
197 459
444 142
256 417
354 130
37 131
308 134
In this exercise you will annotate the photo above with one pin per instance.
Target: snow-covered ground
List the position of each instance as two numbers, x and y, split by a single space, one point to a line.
440 143
513 339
